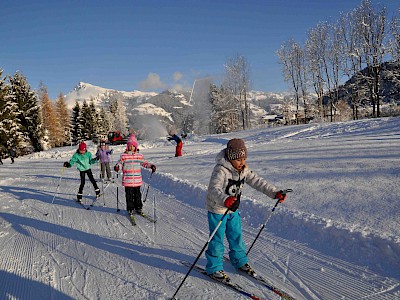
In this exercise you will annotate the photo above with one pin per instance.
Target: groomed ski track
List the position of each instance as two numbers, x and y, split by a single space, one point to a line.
74 253
71 252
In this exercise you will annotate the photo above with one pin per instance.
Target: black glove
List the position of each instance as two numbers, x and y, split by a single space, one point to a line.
67 165
116 168
153 168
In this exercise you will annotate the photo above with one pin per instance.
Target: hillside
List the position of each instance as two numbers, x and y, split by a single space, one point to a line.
337 236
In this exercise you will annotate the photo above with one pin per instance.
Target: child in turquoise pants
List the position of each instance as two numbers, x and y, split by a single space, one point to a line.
224 191
232 227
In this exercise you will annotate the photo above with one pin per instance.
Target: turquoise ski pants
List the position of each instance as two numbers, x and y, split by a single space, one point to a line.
232 227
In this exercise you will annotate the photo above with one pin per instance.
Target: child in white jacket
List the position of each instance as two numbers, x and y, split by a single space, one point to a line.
228 177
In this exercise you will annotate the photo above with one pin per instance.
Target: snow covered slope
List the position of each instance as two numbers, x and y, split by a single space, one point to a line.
337 236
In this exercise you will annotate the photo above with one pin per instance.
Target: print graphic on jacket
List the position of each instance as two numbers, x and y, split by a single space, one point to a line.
234 188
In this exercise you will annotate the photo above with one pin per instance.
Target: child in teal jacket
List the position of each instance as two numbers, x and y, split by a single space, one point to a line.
83 160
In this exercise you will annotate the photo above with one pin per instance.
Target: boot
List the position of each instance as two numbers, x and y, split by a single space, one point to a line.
220 276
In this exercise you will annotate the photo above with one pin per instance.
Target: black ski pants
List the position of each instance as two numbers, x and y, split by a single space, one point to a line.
91 178
133 197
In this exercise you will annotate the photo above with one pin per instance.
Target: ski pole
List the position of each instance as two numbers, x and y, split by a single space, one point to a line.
102 188
148 186
284 192
117 193
154 214
201 252
59 182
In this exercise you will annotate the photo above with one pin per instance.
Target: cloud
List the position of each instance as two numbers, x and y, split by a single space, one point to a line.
152 82
179 87
177 76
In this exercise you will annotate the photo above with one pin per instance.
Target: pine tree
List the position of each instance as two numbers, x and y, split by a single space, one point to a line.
105 123
10 128
225 116
29 113
3 99
94 120
118 110
76 124
86 121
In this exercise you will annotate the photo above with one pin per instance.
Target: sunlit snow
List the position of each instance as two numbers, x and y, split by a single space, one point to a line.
337 236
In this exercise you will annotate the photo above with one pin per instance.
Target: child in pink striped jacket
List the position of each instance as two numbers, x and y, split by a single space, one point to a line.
130 162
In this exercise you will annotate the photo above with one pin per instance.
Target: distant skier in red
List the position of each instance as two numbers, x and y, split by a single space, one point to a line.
179 144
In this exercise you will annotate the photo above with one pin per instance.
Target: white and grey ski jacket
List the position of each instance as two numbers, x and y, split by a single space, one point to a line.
226 181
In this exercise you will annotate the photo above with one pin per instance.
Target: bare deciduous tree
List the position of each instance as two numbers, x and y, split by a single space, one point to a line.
394 42
294 68
49 119
63 121
316 60
373 34
237 82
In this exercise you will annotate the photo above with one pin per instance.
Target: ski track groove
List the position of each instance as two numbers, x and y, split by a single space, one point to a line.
306 271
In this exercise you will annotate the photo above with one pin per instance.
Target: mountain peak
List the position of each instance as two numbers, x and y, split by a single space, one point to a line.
84 85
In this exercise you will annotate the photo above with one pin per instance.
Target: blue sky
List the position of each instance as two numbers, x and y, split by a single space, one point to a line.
151 45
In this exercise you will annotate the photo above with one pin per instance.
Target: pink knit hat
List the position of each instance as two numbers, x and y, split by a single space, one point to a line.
132 141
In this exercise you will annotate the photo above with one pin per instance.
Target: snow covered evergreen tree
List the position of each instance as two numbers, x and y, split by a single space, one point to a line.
29 113
118 110
10 128
76 124
3 98
86 121
104 123
225 116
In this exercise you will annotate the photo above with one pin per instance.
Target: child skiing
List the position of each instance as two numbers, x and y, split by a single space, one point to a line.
130 163
179 144
224 191
83 160
12 155
104 155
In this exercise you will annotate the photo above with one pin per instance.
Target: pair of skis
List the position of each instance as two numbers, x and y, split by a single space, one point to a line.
133 221
234 286
90 205
269 286
238 288
97 197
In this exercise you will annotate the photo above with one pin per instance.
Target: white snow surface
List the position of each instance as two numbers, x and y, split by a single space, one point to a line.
337 236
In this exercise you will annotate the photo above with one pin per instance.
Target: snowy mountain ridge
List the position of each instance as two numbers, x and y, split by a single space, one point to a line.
86 91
